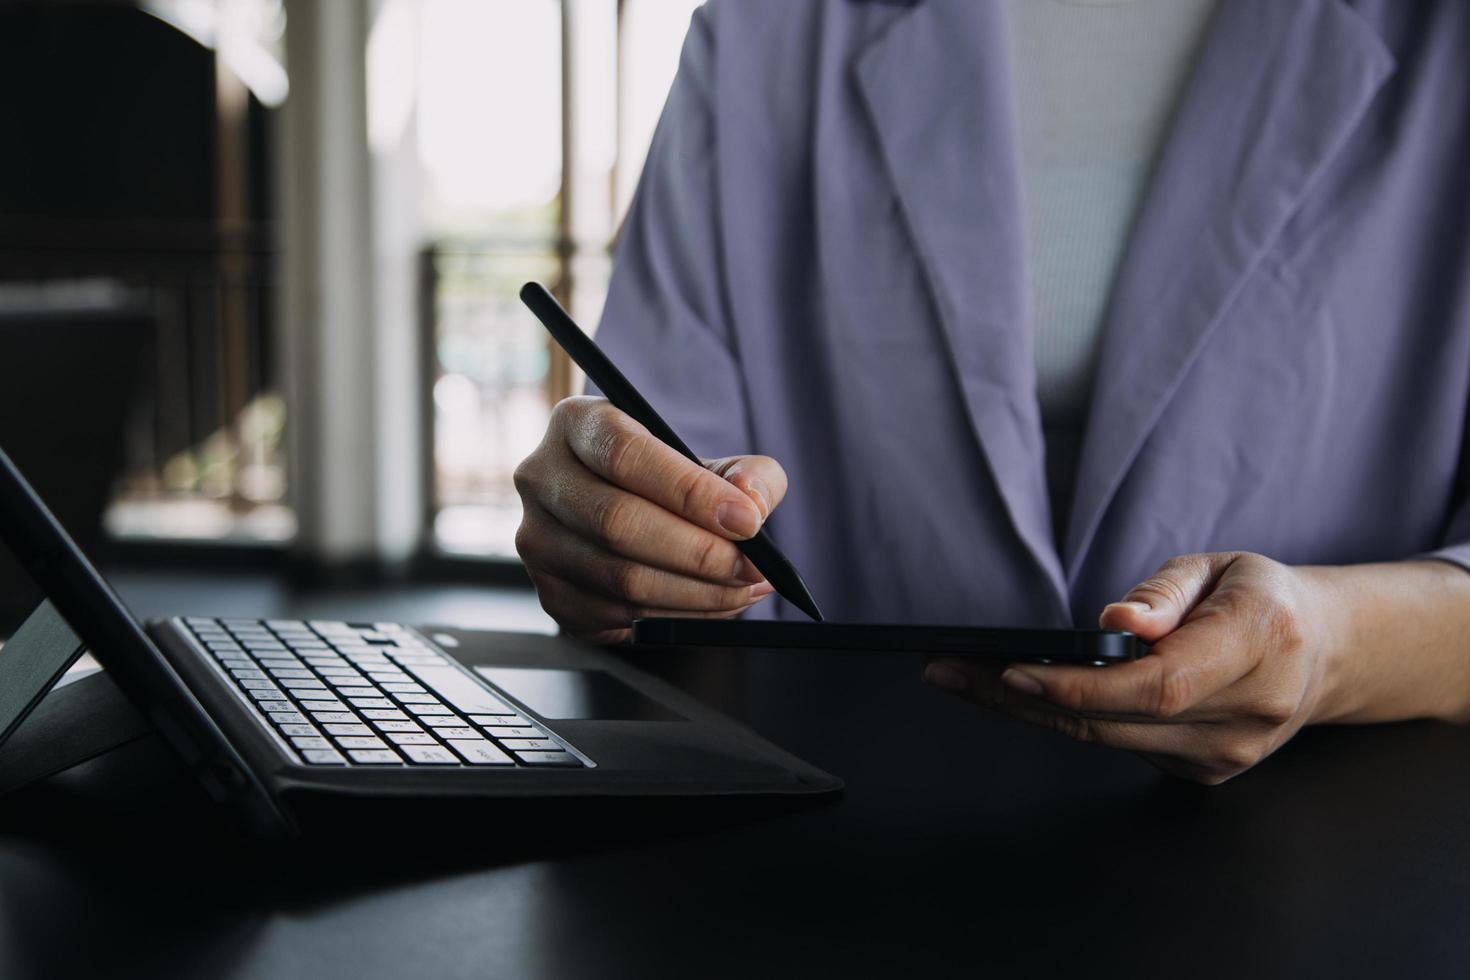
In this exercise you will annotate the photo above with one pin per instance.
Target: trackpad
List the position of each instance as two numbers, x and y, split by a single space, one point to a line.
591 694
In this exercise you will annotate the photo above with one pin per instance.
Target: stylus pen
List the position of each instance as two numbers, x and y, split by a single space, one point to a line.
761 550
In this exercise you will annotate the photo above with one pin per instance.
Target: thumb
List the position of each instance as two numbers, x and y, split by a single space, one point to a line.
760 478
1157 606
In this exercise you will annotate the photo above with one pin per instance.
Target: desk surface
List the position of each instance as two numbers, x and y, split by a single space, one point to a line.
963 841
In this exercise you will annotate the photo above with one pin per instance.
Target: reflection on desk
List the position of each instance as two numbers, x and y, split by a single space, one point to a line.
964 843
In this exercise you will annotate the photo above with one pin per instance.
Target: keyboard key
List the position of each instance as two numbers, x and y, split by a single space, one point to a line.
296 625
292 673
396 726
272 703
510 720
348 731
459 689
495 731
447 721
411 738
361 742
532 744
403 688
416 657
298 730
384 714
374 756
329 626
335 717
310 742
377 703
287 717
434 755
300 685
369 666
548 758
429 709
258 685
323 704
466 733
480 752
248 673
418 698
323 757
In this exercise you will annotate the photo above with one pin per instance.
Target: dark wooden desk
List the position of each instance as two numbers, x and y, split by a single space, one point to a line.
964 843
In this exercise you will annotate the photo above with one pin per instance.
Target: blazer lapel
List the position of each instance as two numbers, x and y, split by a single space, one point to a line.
937 84
1278 89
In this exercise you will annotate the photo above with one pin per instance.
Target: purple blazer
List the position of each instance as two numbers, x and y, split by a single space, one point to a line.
824 263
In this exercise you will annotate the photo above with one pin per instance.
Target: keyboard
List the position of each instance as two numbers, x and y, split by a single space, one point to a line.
373 694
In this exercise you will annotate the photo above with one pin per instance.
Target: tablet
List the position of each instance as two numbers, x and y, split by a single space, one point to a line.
1042 646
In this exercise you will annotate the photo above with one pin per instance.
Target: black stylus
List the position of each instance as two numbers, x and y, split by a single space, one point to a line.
761 550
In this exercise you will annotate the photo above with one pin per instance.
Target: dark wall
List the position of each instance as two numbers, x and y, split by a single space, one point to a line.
107 113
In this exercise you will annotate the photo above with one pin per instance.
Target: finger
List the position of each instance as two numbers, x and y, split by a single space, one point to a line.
590 615
557 551
620 450
632 526
1196 751
1159 603
1182 673
978 683
981 682
1185 751
1129 736
760 478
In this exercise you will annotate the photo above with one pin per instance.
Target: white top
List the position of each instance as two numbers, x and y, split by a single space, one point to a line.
1096 85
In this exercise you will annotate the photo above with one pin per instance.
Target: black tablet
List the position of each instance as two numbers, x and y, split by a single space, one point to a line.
1042 646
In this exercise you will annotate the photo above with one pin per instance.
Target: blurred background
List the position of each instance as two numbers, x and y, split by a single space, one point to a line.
260 258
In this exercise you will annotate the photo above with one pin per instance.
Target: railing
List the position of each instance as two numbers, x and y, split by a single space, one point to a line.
488 381
204 446
493 376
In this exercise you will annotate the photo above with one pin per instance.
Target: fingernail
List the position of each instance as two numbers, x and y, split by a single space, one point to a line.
1138 607
758 487
738 519
1025 683
747 572
761 589
946 677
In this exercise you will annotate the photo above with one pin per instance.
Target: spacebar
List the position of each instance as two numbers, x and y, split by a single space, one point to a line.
461 691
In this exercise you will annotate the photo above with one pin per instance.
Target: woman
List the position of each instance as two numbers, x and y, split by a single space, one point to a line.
1042 306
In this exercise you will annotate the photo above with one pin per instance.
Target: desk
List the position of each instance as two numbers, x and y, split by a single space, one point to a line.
963 843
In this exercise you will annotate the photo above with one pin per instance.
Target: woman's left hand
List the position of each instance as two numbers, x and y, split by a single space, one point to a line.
1240 661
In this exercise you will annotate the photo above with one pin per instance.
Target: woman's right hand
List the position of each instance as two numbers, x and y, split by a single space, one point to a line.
618 525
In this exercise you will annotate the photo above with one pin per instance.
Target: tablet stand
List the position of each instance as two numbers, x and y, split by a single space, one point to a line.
45 727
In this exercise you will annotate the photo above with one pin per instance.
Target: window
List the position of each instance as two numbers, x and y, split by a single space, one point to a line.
529 187
532 118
